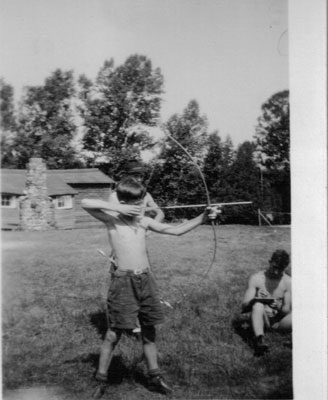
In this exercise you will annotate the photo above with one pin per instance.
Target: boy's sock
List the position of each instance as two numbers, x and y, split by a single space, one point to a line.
154 372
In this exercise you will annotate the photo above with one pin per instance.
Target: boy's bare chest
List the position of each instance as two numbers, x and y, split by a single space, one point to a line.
128 231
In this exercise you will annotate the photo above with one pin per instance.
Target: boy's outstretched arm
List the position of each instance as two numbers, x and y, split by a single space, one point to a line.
177 230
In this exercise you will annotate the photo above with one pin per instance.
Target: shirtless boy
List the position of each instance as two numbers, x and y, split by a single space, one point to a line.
133 292
136 169
268 299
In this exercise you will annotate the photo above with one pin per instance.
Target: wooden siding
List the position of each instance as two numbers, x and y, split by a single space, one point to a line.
10 218
65 218
95 191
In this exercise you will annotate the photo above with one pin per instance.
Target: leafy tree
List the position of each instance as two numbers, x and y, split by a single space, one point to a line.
272 136
7 123
7 109
272 140
114 109
46 124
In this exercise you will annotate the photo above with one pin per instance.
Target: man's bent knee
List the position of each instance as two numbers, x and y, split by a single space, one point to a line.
258 307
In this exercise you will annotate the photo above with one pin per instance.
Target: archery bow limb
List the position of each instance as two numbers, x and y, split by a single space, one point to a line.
207 196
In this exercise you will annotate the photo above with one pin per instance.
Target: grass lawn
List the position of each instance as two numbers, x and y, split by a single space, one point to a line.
54 287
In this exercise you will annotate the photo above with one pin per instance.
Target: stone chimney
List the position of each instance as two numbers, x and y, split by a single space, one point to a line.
36 209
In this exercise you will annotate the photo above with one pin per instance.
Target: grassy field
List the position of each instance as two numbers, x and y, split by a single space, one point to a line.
53 292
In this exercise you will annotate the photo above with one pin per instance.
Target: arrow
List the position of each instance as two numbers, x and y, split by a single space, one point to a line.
236 203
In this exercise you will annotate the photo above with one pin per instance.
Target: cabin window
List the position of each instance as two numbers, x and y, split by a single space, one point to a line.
64 202
8 201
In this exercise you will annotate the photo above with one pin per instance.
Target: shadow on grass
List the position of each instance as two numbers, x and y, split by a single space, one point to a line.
285 392
243 328
99 321
86 359
118 370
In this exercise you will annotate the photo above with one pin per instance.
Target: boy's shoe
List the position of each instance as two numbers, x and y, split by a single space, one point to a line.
101 377
260 346
157 384
101 385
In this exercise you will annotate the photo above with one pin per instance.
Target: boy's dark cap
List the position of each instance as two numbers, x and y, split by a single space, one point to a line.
135 167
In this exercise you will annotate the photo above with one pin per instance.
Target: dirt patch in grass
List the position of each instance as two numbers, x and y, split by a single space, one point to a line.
34 393
15 245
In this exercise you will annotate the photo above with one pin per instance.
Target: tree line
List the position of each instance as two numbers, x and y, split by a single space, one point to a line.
83 123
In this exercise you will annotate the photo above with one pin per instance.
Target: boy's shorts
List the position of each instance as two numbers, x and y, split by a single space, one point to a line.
133 296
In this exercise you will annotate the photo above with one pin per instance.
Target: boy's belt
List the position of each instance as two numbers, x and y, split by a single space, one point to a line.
120 272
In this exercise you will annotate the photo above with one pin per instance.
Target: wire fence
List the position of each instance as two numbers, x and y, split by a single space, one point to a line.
273 218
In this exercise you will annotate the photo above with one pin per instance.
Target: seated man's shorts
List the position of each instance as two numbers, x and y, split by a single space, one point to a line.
133 296
272 316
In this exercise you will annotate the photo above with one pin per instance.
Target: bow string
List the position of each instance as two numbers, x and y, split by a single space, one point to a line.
207 197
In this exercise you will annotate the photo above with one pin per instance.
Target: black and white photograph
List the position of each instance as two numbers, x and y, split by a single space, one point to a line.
163 199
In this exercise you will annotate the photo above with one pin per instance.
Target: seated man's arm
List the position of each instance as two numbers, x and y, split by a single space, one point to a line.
287 300
152 206
249 295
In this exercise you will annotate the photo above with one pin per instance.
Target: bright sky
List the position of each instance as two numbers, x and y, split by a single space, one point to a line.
229 55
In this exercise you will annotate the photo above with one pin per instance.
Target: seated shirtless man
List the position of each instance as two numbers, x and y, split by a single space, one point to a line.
268 299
